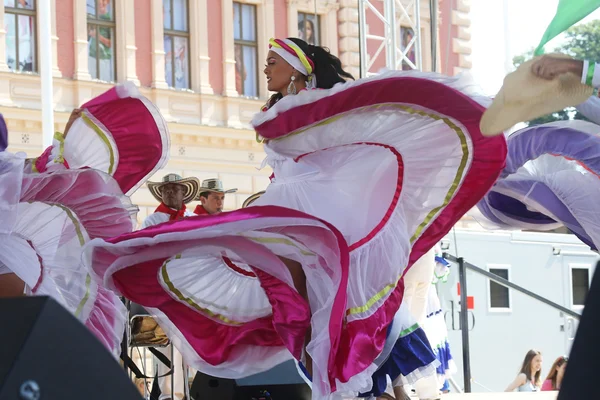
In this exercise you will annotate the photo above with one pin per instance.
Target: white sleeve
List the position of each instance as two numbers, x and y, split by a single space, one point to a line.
154 219
591 74
591 109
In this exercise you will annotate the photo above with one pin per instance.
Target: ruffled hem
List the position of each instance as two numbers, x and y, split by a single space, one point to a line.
120 133
411 359
141 266
54 215
551 179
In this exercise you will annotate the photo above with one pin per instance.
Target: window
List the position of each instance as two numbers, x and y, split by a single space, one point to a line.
580 285
309 28
19 23
101 39
499 295
407 45
176 39
244 34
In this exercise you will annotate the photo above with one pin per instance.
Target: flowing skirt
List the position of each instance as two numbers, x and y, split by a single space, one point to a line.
552 179
390 163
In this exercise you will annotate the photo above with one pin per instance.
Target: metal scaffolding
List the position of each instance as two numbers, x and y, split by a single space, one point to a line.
397 14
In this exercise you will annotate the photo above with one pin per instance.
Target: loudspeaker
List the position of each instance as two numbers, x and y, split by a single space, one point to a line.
281 382
46 353
206 387
580 377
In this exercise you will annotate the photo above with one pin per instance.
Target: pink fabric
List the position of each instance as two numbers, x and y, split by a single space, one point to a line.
213 340
547 386
134 129
95 200
103 318
42 161
82 192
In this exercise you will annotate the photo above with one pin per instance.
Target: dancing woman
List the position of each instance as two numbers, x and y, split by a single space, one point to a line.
368 176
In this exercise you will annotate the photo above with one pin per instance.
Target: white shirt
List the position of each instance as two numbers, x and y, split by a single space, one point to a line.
159 218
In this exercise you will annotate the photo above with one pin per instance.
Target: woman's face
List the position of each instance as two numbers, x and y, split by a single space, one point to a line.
536 363
278 72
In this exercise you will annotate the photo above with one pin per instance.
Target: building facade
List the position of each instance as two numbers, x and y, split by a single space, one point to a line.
199 61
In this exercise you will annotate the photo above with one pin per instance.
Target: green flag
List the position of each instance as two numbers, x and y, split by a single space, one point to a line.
568 13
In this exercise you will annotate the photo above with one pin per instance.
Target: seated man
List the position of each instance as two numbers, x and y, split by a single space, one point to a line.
173 193
212 197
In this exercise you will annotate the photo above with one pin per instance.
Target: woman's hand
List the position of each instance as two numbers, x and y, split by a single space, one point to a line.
74 115
548 67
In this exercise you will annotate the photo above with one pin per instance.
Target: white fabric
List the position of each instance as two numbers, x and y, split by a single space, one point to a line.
159 218
328 181
417 282
591 108
290 58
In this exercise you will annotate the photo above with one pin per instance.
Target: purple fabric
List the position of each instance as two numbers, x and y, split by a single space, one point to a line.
529 144
517 210
3 134
545 197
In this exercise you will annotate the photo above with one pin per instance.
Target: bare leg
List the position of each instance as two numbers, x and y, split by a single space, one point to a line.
11 285
300 284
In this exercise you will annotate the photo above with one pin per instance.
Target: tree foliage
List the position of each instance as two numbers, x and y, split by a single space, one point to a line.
581 42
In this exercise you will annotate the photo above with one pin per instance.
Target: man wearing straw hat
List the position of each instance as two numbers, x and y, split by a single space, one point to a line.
211 197
173 193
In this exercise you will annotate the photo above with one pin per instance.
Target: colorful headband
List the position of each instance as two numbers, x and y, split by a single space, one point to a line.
293 55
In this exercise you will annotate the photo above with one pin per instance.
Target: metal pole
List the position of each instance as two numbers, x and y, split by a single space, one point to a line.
509 284
390 34
362 37
433 10
464 324
418 52
45 52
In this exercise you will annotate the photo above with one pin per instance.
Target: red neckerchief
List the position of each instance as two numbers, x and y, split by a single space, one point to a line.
173 214
200 210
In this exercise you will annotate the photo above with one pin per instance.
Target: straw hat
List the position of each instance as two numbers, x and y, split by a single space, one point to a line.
192 187
213 185
252 198
524 96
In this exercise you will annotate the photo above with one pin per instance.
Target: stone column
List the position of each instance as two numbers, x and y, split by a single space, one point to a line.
125 48
199 36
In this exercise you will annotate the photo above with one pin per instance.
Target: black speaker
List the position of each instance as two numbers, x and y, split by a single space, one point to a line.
580 377
47 354
206 387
